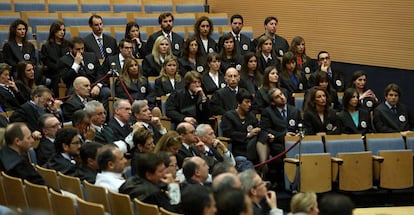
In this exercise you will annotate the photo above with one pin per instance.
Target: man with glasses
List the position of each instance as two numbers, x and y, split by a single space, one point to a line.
189 139
336 78
264 201
96 111
125 51
50 125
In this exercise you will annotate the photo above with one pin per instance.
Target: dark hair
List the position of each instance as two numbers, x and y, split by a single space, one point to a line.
186 47
40 90
355 76
141 136
266 82
122 42
78 117
128 28
165 156
191 76
210 57
310 99
236 16
75 40
13 28
42 119
198 23
245 68
392 87
227 36
270 18
189 168
165 15
13 131
243 94
321 76
64 136
147 163
289 57
89 150
195 198
322 52
94 16
105 154
348 94
230 201
335 204
21 73
55 27
4 67
219 168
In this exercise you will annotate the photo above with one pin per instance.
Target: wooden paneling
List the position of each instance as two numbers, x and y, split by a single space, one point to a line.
378 33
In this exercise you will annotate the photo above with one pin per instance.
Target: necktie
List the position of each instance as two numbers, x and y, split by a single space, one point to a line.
9 90
169 37
101 48
149 128
237 38
284 114
394 110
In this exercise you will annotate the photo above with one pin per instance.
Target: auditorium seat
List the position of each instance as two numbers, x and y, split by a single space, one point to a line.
126 5
29 5
63 5
185 19
189 6
7 17
157 6
95 6
34 19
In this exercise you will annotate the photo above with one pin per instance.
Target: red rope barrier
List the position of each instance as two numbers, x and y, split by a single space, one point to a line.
277 156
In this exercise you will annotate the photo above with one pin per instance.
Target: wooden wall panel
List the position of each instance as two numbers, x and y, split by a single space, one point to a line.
370 32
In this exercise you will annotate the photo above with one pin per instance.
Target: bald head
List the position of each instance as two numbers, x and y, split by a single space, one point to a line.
82 86
226 180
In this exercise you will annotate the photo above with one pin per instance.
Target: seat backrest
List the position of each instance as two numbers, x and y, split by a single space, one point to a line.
145 208
32 155
70 184
382 141
165 212
49 175
310 144
96 194
3 200
335 144
14 191
61 204
38 196
120 204
410 141
396 171
355 172
299 98
315 172
88 208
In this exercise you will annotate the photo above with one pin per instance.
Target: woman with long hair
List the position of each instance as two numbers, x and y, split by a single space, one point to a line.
203 29
291 78
169 142
138 45
25 79
18 48
151 65
191 59
265 54
135 83
55 48
319 118
366 96
212 78
354 120
304 63
322 80
228 53
169 79
249 74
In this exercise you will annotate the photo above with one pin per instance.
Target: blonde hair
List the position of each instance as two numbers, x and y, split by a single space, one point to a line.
155 52
302 202
125 71
163 74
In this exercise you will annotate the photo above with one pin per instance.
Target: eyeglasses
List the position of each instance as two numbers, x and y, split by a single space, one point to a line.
128 47
324 58
57 125
266 183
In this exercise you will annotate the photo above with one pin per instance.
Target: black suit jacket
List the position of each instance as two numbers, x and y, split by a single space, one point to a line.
183 152
70 106
262 64
287 83
186 66
309 65
44 151
272 121
385 121
91 68
176 44
150 67
313 124
364 122
243 46
50 55
139 91
223 100
262 100
211 47
59 163
109 44
13 54
337 81
180 105
119 132
105 136
280 44
106 65
163 88
28 114
10 101
209 87
139 52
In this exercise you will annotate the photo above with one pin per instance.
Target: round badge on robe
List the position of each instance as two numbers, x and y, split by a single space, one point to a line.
223 85
402 118
26 56
108 50
177 46
210 50
281 52
329 127
238 67
300 86
245 47
307 70
369 104
249 128
338 83
91 66
363 124
143 90
292 122
200 68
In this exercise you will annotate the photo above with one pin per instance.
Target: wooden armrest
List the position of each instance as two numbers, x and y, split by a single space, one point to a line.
376 166
336 160
291 161
377 158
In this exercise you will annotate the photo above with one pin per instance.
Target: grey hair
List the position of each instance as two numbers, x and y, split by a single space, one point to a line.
246 178
226 182
138 105
201 130
117 103
91 106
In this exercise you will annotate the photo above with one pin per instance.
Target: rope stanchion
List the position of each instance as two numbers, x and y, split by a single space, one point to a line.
278 155
131 99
